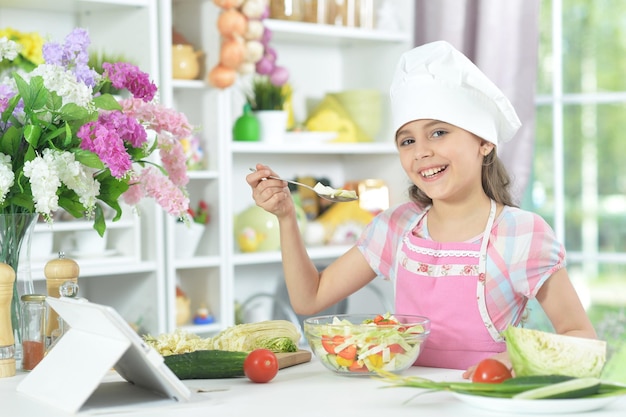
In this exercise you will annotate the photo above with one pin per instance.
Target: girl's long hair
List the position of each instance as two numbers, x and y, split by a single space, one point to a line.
495 178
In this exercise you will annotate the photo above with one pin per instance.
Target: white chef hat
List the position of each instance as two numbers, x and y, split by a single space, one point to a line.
435 81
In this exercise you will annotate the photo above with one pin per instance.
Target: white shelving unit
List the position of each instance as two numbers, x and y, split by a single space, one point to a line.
141 283
320 58
129 275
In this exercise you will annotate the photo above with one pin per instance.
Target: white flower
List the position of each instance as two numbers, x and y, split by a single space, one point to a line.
65 84
44 183
48 171
78 178
7 176
9 49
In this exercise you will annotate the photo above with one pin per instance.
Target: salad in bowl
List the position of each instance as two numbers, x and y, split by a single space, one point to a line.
361 344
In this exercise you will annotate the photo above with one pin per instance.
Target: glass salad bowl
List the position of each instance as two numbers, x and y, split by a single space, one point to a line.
359 344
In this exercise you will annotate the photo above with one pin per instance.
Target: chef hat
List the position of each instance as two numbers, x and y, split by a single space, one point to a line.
435 81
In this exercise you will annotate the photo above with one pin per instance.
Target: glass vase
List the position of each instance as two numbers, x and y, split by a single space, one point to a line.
15 235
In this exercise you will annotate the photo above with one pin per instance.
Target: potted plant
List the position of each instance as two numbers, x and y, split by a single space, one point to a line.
189 233
267 101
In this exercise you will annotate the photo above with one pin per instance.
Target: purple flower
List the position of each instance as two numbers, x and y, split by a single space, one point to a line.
107 137
73 55
53 53
128 76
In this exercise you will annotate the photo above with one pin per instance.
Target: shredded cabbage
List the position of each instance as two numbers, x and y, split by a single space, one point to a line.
275 335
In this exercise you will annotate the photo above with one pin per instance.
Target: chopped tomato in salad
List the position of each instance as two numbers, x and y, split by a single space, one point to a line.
380 343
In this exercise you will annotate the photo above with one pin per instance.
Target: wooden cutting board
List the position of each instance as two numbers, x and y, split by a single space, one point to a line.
288 359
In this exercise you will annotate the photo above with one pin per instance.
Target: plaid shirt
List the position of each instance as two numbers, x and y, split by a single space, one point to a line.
522 254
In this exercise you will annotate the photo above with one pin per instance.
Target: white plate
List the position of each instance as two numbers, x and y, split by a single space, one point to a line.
536 406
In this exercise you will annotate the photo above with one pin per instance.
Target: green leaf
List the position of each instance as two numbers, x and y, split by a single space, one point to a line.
53 133
69 201
88 158
10 142
99 223
32 133
72 111
34 94
107 102
8 112
110 191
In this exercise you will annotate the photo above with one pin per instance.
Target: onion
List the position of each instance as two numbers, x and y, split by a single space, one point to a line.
231 23
264 66
254 51
266 13
246 68
253 9
228 4
255 30
232 54
222 77
279 76
270 53
266 37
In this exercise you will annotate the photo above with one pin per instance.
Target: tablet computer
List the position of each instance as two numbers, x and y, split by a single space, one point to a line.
98 339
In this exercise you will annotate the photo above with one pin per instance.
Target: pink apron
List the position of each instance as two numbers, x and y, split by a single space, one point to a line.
445 282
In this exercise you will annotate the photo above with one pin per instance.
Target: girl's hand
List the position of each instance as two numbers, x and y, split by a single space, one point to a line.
502 357
269 194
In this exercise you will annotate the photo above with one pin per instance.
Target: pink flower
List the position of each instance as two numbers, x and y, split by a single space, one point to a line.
134 194
156 185
128 76
106 138
158 118
173 159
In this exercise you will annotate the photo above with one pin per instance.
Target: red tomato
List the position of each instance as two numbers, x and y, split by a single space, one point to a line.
356 367
396 348
329 343
491 371
261 365
348 352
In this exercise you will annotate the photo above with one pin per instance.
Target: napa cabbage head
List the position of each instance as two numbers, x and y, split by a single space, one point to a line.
534 352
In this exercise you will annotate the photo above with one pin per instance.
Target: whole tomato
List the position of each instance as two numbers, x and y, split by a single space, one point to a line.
491 371
261 365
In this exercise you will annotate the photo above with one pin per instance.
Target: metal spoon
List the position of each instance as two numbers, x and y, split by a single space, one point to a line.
329 197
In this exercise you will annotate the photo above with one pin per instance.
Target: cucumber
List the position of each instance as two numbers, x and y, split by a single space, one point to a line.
207 364
574 388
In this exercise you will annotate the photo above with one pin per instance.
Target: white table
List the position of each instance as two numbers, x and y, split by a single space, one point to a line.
302 390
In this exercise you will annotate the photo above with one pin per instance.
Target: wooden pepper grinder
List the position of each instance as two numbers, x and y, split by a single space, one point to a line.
7 340
57 272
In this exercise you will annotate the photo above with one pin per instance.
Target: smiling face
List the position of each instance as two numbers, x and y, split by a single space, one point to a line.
443 160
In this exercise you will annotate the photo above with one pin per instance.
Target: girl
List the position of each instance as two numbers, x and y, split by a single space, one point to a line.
460 252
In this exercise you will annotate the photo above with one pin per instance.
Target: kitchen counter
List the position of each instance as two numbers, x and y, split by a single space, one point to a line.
302 390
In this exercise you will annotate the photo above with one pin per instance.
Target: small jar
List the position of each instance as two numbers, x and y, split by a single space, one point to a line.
34 312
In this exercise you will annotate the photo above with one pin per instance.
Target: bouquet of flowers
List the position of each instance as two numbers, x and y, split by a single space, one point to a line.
66 144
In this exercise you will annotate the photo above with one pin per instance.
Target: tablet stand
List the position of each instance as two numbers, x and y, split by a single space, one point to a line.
98 341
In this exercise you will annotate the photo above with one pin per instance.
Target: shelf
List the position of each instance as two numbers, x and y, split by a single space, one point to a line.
75 5
197 262
190 84
93 267
314 148
316 253
65 226
299 32
202 175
